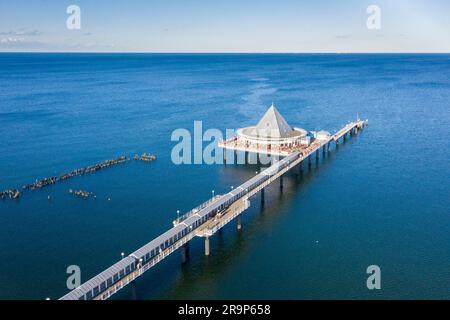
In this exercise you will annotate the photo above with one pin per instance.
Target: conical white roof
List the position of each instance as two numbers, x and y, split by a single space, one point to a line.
273 125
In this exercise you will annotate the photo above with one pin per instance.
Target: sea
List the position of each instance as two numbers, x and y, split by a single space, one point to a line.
381 199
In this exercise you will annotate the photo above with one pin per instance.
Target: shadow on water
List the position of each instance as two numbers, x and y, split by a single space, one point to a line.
173 280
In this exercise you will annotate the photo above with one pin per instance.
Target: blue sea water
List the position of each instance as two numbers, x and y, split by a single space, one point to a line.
381 199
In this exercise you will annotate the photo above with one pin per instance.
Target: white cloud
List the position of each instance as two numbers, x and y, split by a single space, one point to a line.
21 32
10 40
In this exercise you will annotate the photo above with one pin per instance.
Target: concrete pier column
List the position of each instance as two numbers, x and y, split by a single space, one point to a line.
344 136
224 155
317 154
262 196
300 167
206 246
309 161
323 150
281 182
238 222
185 252
133 290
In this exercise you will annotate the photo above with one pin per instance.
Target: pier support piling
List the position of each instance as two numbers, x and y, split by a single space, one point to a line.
328 147
133 290
281 182
185 253
262 196
206 246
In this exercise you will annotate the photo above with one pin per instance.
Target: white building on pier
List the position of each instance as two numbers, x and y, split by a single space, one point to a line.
272 135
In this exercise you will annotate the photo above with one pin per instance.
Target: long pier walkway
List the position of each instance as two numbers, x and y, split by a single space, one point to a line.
202 221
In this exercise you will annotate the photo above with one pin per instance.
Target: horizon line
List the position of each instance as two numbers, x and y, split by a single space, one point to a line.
232 52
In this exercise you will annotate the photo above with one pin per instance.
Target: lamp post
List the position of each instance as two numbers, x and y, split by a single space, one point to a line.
122 254
212 193
178 215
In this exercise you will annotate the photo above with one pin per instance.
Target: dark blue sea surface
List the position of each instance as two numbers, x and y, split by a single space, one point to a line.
381 199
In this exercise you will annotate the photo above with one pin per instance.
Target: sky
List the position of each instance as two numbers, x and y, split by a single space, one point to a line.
225 26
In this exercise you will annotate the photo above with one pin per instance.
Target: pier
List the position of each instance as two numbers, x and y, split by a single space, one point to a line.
204 221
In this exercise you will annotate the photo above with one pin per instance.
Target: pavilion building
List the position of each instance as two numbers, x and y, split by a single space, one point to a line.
271 135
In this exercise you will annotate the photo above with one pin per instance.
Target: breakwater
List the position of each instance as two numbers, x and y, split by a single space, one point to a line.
39 184
145 157
81 193
10 194
77 172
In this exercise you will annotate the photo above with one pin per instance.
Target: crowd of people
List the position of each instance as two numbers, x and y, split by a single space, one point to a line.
310 149
243 144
